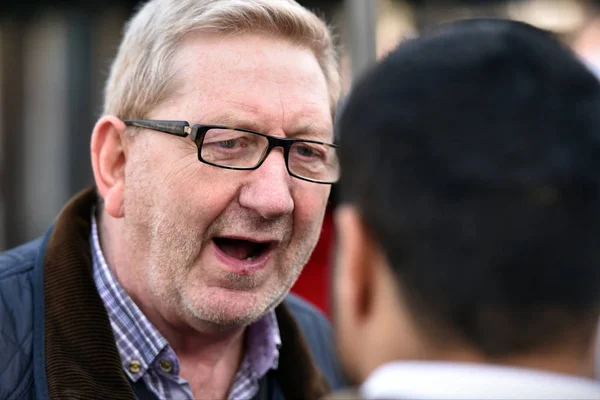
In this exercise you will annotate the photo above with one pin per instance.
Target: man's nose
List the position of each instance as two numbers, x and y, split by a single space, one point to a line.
268 190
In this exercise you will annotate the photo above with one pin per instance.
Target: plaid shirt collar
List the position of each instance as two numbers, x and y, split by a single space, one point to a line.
140 344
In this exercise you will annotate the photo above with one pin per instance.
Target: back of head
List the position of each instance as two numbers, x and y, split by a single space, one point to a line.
143 75
472 153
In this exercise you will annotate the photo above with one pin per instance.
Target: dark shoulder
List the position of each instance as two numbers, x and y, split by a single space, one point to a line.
304 310
19 259
16 318
313 323
318 333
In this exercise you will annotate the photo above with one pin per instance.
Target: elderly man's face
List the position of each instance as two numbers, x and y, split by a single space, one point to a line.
198 225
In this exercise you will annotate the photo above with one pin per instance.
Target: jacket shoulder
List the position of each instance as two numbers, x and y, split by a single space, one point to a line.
20 259
319 337
16 319
308 316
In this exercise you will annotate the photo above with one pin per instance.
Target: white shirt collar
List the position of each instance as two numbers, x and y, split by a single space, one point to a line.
444 380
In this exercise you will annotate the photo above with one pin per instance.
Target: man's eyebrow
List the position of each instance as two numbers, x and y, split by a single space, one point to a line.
232 122
315 130
320 131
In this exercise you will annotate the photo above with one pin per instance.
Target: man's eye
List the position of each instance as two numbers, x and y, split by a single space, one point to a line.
228 144
307 151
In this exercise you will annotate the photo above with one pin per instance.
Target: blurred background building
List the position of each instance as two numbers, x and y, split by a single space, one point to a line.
55 55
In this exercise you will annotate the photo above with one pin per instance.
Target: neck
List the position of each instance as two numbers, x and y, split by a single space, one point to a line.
561 360
208 346
208 359
570 356
573 355
555 360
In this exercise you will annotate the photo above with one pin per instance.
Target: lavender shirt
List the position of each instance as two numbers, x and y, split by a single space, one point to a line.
146 354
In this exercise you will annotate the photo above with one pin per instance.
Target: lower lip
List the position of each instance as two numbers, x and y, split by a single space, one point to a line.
241 267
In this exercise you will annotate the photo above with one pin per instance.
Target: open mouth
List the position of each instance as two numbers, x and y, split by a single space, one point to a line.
243 250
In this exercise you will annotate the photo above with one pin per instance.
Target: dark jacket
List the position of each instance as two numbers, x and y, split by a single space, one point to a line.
56 340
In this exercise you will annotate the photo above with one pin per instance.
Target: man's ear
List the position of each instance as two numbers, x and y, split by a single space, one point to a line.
356 261
108 163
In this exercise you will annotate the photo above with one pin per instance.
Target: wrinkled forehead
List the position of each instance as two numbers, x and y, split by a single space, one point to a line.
266 82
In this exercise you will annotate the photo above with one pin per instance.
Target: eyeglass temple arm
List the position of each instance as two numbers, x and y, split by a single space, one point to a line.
178 128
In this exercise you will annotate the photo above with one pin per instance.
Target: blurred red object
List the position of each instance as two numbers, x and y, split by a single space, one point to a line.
314 281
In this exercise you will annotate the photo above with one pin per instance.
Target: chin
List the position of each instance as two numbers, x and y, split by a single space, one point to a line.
226 309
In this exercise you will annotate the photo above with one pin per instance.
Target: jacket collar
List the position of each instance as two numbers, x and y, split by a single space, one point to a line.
73 337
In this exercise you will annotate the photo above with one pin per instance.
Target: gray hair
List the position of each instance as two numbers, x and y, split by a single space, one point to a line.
142 75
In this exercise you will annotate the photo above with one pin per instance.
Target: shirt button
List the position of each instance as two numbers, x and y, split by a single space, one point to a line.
166 366
135 367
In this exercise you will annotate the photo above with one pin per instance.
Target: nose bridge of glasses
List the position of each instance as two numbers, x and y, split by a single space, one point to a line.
273 144
284 143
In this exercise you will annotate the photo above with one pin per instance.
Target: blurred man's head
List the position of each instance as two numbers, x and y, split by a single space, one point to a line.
470 211
198 244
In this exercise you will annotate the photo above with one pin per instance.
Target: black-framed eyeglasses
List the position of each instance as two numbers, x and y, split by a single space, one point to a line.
242 149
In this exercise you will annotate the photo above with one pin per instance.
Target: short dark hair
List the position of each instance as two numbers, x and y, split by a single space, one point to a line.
472 153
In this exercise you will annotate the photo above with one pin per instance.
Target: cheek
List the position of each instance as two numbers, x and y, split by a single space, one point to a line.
169 212
180 187
345 335
310 203
342 288
163 163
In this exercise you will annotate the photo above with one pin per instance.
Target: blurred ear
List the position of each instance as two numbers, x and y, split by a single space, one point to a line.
357 258
108 163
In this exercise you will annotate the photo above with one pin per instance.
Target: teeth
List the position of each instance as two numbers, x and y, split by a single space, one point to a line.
251 258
